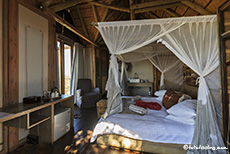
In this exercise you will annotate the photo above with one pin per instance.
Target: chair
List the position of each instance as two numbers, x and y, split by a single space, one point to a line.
86 96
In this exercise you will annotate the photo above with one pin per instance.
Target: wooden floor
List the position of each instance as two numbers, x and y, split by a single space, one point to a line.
77 140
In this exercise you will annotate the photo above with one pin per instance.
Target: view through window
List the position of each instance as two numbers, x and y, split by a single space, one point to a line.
67 65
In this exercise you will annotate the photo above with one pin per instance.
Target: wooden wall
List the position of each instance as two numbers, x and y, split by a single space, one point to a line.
1 66
96 66
10 67
101 70
11 60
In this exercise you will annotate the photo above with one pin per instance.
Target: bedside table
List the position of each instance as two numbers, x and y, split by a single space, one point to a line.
101 107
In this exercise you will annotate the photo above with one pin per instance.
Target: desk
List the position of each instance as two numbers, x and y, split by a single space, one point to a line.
144 84
38 117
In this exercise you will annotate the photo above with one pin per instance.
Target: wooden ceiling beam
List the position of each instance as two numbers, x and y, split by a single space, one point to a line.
66 4
117 19
113 12
102 19
95 13
113 7
153 3
132 11
152 14
141 16
120 16
69 26
196 7
158 7
171 12
82 21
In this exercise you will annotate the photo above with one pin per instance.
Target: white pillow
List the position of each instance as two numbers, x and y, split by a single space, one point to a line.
183 97
160 93
160 98
189 121
187 96
78 93
78 99
186 109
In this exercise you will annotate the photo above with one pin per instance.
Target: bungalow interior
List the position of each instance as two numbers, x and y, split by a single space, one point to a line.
39 40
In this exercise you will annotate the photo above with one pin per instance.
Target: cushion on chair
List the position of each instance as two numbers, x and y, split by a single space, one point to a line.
89 96
90 100
84 85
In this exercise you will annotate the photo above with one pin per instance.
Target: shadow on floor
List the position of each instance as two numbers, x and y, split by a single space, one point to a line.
77 140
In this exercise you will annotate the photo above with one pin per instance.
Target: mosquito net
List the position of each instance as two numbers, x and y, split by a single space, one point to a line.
193 40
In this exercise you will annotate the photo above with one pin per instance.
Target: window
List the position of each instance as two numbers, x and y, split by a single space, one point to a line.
65 50
67 65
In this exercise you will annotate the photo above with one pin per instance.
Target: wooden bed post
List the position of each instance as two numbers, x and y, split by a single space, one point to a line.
155 79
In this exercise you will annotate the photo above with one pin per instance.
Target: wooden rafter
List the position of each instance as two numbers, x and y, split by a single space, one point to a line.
171 12
113 7
142 16
152 14
103 18
67 4
153 3
97 33
70 27
196 7
107 17
82 22
132 11
158 7
113 12
117 19
120 16
95 13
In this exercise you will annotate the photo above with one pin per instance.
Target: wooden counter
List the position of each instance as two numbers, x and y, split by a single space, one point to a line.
38 117
143 84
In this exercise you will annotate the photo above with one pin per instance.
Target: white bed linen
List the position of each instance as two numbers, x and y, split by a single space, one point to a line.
152 127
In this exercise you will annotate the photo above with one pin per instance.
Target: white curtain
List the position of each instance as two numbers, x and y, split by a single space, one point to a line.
75 70
196 44
171 69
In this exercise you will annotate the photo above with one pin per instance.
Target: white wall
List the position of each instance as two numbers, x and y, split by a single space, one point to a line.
1 62
35 21
144 69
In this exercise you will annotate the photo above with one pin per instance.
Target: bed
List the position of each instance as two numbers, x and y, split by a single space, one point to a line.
153 132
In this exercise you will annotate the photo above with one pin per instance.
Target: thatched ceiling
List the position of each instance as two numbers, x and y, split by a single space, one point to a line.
84 12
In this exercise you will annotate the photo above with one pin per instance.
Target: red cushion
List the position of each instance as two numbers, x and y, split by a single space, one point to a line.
150 105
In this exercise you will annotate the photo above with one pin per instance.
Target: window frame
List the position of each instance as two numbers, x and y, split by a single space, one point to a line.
64 40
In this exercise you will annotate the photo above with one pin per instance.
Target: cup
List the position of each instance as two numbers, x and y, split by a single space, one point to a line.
53 95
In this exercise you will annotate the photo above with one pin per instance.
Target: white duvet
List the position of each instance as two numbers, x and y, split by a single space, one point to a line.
152 127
